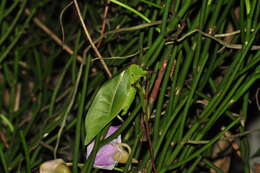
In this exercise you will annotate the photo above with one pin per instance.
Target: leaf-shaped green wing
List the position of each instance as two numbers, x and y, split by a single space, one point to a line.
106 105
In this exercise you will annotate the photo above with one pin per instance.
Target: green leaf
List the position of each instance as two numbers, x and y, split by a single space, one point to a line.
248 6
106 105
112 98
7 122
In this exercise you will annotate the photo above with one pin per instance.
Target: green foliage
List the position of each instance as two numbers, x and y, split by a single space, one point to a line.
202 62
114 96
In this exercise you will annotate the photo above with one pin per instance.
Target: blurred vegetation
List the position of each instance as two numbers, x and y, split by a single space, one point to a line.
208 87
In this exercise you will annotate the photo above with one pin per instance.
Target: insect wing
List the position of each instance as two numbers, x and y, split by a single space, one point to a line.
106 105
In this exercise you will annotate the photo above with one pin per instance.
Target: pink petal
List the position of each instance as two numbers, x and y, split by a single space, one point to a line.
111 130
104 157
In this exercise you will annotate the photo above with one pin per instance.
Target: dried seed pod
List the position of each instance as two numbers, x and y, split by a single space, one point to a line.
62 168
54 166
121 156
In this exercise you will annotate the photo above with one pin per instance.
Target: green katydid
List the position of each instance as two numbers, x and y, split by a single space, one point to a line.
113 97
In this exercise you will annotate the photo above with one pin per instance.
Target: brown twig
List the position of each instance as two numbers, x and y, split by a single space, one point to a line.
145 127
90 39
230 33
227 34
127 29
173 69
53 36
141 26
103 29
225 44
17 97
61 23
134 28
257 99
63 123
123 57
59 41
157 84
4 139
